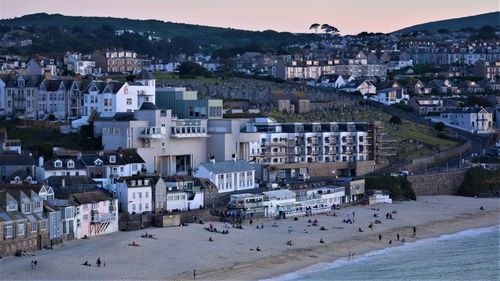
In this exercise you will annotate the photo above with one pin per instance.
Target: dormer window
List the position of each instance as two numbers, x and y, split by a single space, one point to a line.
98 162
112 159
58 164
70 164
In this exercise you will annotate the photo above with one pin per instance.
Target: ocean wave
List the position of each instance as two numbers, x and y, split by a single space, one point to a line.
325 266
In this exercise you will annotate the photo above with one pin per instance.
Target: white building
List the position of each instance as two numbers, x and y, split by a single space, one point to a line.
228 176
184 201
108 98
135 194
476 120
390 96
60 166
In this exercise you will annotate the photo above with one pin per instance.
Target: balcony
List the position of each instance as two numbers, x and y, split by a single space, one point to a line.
275 143
103 218
152 132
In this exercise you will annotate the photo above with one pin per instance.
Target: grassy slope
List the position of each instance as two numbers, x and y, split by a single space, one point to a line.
477 21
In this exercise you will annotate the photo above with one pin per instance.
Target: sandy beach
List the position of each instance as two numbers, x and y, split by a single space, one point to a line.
179 250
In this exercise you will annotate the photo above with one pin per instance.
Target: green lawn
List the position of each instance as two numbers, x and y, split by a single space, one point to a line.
174 76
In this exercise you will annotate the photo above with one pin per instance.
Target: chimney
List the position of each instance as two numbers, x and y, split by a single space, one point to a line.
234 157
212 158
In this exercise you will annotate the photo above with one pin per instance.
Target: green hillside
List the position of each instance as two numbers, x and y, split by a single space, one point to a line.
476 22
206 36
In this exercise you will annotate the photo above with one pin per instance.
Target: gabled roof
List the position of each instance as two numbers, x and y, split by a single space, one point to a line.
30 81
90 159
130 156
228 166
94 196
49 165
56 181
148 106
357 82
16 160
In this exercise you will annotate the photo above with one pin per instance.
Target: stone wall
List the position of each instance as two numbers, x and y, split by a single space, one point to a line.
441 157
446 183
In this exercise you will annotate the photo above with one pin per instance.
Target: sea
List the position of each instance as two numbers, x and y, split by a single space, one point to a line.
467 255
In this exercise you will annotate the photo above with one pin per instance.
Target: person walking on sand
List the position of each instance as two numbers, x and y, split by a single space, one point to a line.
194 273
98 262
32 264
414 231
379 237
397 236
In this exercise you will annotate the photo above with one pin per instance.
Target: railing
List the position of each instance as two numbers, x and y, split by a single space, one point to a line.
103 218
151 133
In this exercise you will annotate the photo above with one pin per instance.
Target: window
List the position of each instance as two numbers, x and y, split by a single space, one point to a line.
129 101
78 224
27 208
94 206
122 169
140 194
134 167
133 195
71 164
146 206
43 225
85 217
147 194
33 226
20 229
8 230
112 159
85 207
58 164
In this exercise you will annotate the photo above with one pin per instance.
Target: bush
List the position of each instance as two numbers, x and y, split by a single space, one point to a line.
479 181
399 188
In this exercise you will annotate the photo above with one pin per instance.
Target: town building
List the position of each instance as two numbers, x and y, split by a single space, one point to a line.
168 145
135 194
227 176
475 120
186 104
96 213
116 61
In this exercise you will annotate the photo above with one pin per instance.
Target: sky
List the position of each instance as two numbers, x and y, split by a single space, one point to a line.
349 16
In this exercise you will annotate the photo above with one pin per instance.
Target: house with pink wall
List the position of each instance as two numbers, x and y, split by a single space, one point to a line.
96 213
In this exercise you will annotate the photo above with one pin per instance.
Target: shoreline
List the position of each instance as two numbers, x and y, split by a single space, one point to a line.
276 268
179 250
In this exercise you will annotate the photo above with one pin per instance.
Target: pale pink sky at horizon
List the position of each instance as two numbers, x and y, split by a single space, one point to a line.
350 17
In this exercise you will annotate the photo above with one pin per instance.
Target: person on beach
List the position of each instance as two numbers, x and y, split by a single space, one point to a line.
32 264
210 239
321 241
98 262
194 273
380 237
390 242
35 263
482 208
397 236
403 240
258 249
414 231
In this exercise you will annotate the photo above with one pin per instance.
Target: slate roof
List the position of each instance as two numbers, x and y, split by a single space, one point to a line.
148 106
131 156
56 181
49 165
31 81
16 160
229 166
90 197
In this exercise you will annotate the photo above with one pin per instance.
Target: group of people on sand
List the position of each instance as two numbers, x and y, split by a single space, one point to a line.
148 235
98 263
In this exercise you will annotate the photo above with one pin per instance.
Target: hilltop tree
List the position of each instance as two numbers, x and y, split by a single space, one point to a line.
395 120
329 29
315 26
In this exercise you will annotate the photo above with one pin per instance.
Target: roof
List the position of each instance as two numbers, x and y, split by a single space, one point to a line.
144 75
230 166
49 165
465 110
281 193
130 156
178 178
4 216
89 159
70 180
90 197
16 160
148 106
